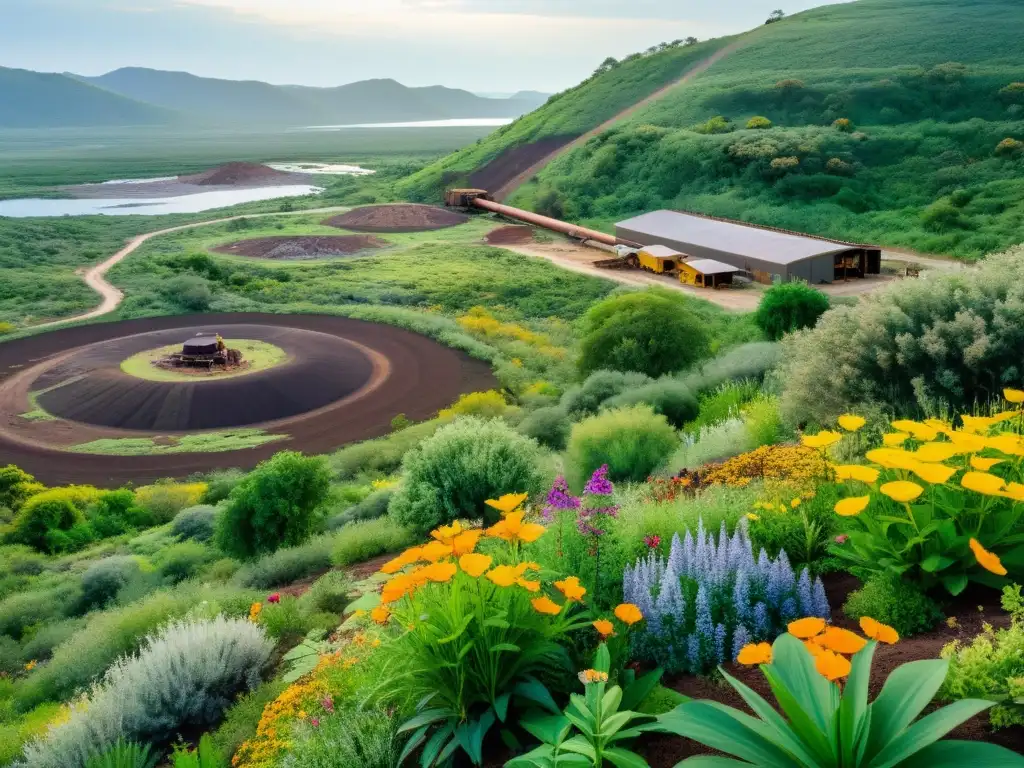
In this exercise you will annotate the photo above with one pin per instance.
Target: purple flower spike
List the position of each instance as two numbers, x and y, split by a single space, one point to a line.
599 484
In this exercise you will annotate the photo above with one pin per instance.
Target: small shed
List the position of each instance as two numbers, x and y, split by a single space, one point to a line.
706 273
659 258
200 345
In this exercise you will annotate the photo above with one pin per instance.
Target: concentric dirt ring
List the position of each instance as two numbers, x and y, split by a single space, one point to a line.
400 217
345 382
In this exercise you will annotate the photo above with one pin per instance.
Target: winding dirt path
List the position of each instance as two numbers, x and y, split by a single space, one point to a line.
95 277
698 69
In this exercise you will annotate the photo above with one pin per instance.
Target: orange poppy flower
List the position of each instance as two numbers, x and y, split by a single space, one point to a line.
508 503
434 551
475 565
832 665
852 506
755 654
840 640
983 483
856 472
604 627
807 628
571 588
381 614
440 572
446 533
986 559
546 605
512 528
503 575
397 588
408 557
876 630
466 542
902 490
628 614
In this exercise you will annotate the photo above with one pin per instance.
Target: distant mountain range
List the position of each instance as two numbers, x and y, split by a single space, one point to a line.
137 96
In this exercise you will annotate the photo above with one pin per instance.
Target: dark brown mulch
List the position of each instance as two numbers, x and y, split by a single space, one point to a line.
513 161
397 218
289 248
666 751
240 174
514 235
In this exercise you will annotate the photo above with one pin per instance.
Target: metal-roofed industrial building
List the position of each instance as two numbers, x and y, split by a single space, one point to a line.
765 254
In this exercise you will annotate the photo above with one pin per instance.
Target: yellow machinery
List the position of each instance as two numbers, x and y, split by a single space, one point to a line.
659 259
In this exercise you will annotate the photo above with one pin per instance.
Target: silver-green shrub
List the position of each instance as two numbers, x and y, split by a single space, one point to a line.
183 677
943 342
197 523
103 579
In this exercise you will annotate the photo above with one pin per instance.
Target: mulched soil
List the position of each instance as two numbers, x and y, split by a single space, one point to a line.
510 163
397 218
285 248
665 751
242 174
423 377
514 235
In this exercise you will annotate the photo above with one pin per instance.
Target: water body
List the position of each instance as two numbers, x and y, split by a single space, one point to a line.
468 122
197 203
328 169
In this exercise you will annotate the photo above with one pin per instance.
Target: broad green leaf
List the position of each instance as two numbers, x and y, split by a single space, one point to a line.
954 584
413 743
581 746
711 761
535 691
501 706
906 693
727 730
496 622
853 706
964 754
457 633
794 667
550 729
613 724
610 702
477 734
928 730
434 745
427 717
510 740
623 758
936 562
583 725
602 659
499 647
366 602
819 741
635 730
634 692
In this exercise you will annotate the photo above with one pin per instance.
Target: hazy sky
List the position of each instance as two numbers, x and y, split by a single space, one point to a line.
481 45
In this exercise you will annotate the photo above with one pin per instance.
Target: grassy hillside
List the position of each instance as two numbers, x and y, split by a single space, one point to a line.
927 86
568 114
35 99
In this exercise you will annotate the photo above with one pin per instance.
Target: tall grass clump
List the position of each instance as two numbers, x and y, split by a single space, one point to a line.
104 579
185 677
199 523
358 542
667 397
750 362
632 441
730 438
382 456
367 738
587 398
287 565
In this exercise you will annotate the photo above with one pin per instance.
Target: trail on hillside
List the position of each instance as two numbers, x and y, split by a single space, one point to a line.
95 277
505 191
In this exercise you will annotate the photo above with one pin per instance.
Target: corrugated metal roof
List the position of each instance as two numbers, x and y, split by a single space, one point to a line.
661 251
710 266
730 237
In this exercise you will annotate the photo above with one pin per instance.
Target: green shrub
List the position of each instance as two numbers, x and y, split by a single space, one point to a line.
166 499
897 603
205 755
116 512
198 523
764 421
370 508
287 565
597 389
16 486
382 456
954 339
359 542
548 426
661 700
652 332
720 441
118 631
151 542
48 636
15 733
183 560
789 307
486 405
329 594
633 442
25 609
124 754
805 532
51 512
366 738
104 579
243 718
670 398
10 655
141 697
275 506
992 666
190 292
759 123
451 474
220 484
745 362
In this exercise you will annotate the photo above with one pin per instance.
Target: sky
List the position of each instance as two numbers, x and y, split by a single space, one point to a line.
489 46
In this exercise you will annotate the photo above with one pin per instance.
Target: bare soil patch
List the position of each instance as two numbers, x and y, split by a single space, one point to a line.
514 235
509 164
397 218
285 248
243 175
226 177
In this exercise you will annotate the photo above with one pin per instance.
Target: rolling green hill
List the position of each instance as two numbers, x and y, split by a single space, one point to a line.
932 90
35 99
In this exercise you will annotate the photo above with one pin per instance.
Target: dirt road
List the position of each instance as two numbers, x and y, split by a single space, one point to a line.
505 191
95 277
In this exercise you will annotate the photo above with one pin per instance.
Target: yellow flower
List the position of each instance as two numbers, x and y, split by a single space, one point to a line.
466 542
503 575
512 528
977 424
986 559
1014 491
795 502
1015 396
571 588
893 439
440 572
840 640
475 565
588 676
821 440
934 473
902 490
936 452
396 588
856 472
852 506
381 614
967 443
807 628
1007 443
917 429
755 654
628 613
984 465
410 556
254 611
832 666
508 503
546 605
30 666
446 533
604 627
876 630
892 458
751 516
528 565
434 551
851 423
983 483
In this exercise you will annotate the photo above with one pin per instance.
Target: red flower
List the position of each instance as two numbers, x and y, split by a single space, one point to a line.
274 598
842 538
652 541
315 722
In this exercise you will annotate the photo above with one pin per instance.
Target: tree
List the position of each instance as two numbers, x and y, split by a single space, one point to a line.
274 506
16 486
607 65
691 40
652 332
789 307
777 15
189 292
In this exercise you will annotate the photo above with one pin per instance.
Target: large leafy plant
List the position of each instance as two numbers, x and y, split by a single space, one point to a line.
820 725
940 506
468 629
